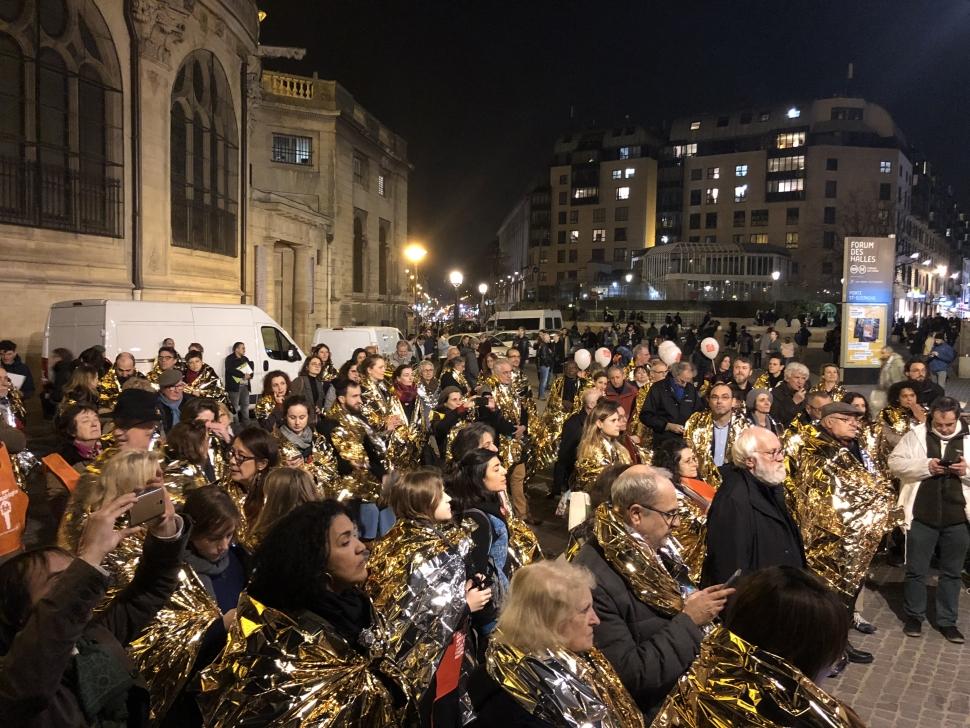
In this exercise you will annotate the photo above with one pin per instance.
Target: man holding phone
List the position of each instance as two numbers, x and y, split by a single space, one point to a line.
935 495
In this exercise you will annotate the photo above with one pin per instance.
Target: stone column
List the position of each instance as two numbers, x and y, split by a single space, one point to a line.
263 276
302 260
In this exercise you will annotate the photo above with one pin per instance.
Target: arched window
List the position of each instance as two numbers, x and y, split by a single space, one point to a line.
12 180
204 155
359 252
382 253
61 145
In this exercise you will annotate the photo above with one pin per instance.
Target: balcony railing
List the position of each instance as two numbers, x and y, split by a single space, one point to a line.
60 198
291 86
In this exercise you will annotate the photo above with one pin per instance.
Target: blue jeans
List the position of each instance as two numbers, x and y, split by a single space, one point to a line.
375 521
544 374
921 541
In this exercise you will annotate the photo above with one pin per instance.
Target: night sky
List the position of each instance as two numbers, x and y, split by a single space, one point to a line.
480 91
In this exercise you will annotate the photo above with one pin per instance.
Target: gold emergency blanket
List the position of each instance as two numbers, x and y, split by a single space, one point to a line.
416 581
635 427
321 463
733 684
168 648
547 430
329 372
837 393
691 533
405 442
843 509
604 453
890 426
764 381
644 570
181 476
207 385
13 412
297 672
564 688
523 544
265 405
109 387
699 434
510 450
348 438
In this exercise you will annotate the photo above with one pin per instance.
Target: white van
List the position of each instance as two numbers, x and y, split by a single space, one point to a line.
343 340
140 326
533 321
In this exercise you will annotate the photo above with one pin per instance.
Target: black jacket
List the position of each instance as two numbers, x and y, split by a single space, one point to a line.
783 407
232 365
495 707
18 367
661 407
927 391
749 528
648 650
572 433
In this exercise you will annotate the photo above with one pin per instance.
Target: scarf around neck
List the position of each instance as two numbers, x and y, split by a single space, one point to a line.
206 569
407 393
302 440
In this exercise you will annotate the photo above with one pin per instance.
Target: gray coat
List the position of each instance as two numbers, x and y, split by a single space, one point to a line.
648 649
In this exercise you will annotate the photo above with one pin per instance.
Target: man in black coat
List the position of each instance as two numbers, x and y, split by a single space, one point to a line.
648 641
671 402
572 433
926 390
748 524
788 398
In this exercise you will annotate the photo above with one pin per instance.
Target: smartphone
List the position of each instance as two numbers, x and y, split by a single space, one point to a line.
149 505
734 577
946 463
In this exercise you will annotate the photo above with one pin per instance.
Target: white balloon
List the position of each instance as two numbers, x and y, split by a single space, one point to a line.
583 359
669 352
710 347
603 356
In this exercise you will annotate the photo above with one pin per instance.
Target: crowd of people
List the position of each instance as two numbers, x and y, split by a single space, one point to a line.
357 548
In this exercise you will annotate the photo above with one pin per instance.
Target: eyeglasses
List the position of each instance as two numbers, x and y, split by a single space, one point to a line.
239 457
773 454
853 420
668 516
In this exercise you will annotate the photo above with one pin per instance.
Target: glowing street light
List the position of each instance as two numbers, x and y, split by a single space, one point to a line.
482 290
456 279
415 253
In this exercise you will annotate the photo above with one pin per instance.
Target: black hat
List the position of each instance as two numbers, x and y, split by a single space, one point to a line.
135 407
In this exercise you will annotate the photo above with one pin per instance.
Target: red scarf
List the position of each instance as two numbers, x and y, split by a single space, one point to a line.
407 393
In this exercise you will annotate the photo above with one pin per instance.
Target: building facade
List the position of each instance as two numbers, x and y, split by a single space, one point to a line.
127 133
328 213
122 133
800 176
602 212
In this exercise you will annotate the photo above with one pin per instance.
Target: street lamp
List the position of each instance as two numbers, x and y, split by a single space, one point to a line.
456 278
482 289
415 253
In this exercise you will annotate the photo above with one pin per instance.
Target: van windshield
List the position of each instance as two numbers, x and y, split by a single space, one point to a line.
529 324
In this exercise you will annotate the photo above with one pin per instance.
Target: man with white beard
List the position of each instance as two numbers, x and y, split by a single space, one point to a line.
748 524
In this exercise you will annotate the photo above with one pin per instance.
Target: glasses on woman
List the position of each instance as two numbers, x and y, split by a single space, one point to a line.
240 457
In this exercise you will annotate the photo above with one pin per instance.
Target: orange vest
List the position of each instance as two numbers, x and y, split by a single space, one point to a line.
13 507
64 472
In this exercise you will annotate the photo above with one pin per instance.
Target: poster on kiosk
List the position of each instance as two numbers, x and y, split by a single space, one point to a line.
867 297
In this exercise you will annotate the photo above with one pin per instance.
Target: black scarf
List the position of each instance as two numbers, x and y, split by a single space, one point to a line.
348 611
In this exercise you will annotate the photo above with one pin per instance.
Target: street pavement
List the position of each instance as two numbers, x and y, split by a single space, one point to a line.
913 682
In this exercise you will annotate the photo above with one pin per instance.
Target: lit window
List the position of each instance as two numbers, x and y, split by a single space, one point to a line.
624 152
292 149
714 173
741 170
794 112
574 236
711 195
786 185
786 164
599 235
789 140
585 193
759 238
886 167
764 116
629 172
617 174
741 193
382 185
791 240
623 193
695 125
683 150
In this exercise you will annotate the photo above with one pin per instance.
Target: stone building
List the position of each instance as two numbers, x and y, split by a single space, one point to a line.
128 131
328 213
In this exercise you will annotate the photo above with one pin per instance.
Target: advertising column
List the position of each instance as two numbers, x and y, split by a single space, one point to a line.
867 296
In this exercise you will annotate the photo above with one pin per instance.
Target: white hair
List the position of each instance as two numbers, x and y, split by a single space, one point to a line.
794 367
746 445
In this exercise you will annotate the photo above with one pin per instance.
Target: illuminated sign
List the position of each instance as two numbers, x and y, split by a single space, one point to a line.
867 293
